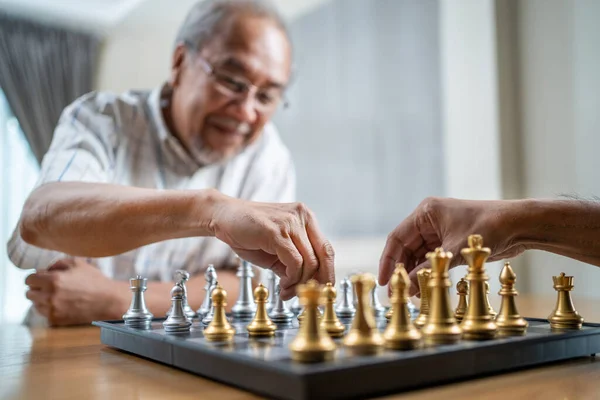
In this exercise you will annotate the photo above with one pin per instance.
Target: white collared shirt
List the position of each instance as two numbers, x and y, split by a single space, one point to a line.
123 139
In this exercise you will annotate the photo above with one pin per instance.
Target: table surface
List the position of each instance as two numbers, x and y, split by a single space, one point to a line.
71 363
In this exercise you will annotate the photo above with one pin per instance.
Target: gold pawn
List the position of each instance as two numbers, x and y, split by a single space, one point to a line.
509 322
312 343
330 321
261 325
462 290
564 315
423 277
400 333
363 337
478 323
487 300
441 326
219 329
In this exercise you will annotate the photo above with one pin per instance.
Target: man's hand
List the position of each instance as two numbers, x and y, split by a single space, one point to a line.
282 237
73 292
439 222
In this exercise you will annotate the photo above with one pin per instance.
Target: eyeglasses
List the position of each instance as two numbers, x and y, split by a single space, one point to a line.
237 87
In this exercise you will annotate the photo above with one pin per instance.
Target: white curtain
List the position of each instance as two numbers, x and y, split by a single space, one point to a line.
18 173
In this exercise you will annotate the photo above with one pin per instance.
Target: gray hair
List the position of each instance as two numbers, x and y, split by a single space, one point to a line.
206 18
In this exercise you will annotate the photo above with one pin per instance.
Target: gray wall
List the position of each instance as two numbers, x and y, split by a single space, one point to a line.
364 126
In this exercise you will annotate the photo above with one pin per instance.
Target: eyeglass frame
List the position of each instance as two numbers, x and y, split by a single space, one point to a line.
210 70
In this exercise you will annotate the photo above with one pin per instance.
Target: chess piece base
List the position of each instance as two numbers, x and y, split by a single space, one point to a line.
405 340
360 344
478 330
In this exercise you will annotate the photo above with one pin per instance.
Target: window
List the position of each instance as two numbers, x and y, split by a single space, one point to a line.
17 177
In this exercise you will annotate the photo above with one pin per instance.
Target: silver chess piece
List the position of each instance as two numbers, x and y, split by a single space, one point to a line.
345 308
177 321
280 313
181 277
207 319
244 307
138 315
412 309
378 308
272 281
296 307
210 276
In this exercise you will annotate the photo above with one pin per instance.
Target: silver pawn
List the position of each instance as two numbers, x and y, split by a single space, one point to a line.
272 280
345 308
138 315
280 314
177 320
244 307
181 277
211 312
378 308
296 307
210 276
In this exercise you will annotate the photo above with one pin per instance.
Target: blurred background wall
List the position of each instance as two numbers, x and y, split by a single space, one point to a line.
394 100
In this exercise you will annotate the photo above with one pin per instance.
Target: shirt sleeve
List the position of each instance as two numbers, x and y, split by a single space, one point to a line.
81 150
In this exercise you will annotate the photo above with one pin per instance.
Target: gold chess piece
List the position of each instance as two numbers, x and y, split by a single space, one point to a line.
330 321
441 326
312 343
423 277
261 325
487 300
462 290
564 315
219 329
400 333
363 336
509 322
389 313
477 323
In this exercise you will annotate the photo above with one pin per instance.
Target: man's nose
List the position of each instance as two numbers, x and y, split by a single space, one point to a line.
245 109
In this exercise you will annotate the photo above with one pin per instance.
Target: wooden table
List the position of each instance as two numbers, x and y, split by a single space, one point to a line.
71 363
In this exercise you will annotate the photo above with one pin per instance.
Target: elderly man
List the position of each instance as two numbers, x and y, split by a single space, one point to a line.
151 182
568 227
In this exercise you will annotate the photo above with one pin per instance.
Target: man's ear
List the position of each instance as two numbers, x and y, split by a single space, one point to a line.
177 64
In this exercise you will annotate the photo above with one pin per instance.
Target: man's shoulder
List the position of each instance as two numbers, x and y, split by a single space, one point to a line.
108 104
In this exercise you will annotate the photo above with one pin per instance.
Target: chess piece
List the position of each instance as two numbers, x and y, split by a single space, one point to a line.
423 277
330 321
487 300
244 308
401 334
302 314
177 321
564 315
181 277
296 307
345 309
219 329
138 315
477 323
441 326
312 343
509 322
261 325
211 313
272 281
363 336
462 290
210 276
280 314
378 308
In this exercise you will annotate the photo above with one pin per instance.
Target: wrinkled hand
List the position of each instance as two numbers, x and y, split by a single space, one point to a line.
71 292
282 237
444 222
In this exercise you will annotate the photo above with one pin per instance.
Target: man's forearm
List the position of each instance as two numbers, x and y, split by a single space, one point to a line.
158 294
100 220
566 227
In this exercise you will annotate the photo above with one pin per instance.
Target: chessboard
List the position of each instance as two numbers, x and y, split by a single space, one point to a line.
264 365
